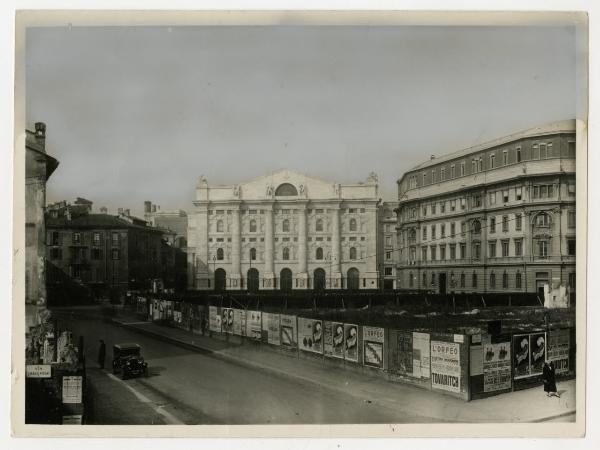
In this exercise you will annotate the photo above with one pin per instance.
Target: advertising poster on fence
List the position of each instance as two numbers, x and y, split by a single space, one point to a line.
373 344
337 329
289 332
445 366
496 366
253 325
421 355
328 338
558 350
537 343
521 355
270 324
351 342
239 322
214 319
401 352
310 335
227 320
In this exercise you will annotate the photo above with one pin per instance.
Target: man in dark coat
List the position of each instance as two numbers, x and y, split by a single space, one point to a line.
549 378
101 354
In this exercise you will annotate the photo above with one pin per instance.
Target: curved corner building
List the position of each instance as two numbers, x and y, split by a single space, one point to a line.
498 217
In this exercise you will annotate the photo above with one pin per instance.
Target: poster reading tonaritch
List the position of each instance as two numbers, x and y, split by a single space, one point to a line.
373 345
445 366
351 342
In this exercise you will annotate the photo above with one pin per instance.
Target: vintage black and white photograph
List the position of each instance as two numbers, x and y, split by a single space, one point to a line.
314 220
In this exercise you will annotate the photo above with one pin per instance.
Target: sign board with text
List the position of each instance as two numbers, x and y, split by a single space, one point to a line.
445 366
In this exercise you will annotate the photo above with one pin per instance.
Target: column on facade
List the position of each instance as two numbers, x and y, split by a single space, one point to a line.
269 275
302 272
236 250
371 275
335 272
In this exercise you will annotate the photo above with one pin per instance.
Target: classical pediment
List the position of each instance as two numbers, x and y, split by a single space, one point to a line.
287 184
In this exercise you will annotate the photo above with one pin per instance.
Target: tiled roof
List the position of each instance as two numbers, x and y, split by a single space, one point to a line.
94 221
565 126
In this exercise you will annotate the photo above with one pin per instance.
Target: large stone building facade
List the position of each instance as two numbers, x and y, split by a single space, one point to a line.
499 217
387 253
284 231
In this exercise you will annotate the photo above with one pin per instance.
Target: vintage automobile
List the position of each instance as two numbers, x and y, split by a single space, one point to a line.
127 360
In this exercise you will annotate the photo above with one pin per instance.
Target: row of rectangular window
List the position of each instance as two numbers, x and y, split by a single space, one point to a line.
474 280
539 151
542 250
76 238
284 211
285 253
95 254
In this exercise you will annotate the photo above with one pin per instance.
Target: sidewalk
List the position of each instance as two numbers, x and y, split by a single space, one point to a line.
530 405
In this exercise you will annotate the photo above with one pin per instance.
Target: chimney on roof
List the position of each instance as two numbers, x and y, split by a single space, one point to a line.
120 211
147 206
128 212
432 157
40 134
153 208
103 210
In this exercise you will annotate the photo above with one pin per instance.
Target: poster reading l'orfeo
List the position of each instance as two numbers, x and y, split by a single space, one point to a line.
373 344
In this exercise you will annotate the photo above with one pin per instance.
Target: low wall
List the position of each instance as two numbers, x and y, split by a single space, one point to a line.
460 365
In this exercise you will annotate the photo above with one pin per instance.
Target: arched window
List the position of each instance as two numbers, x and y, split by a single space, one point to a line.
352 253
518 280
474 280
286 253
253 254
433 279
319 254
492 280
253 226
319 225
220 254
476 227
463 280
411 280
286 190
505 280
424 279
219 226
286 225
352 224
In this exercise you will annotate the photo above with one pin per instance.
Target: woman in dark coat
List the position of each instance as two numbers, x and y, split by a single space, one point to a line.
549 379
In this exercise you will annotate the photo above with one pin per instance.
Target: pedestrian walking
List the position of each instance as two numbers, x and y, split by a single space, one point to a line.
101 354
549 378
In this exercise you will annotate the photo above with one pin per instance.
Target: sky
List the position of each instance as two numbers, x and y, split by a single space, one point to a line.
139 113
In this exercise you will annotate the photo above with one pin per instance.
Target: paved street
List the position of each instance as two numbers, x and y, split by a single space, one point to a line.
192 388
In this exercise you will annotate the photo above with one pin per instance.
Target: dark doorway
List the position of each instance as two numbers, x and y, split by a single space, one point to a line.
388 285
220 279
285 283
319 279
442 282
353 279
252 280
